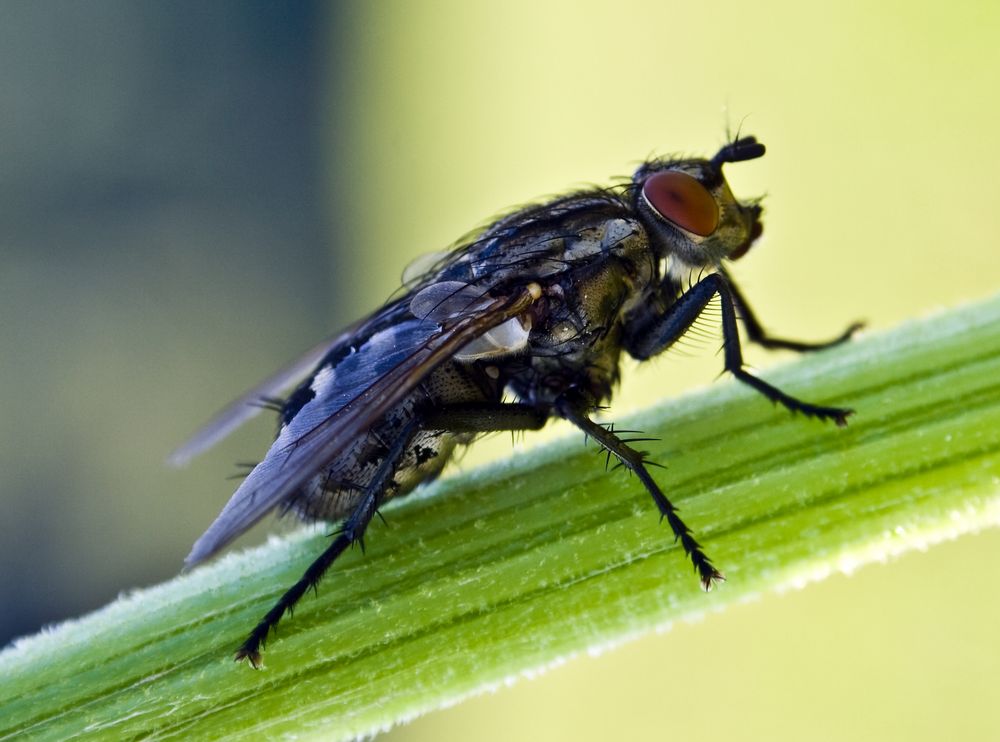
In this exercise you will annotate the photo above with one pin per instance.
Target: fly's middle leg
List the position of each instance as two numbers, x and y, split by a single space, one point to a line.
635 461
485 417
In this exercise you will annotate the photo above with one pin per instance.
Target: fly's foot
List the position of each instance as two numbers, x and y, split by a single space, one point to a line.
250 649
713 578
839 415
249 654
708 575
850 332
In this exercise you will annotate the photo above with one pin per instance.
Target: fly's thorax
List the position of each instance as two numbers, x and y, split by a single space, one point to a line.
589 302
538 240
568 358
575 342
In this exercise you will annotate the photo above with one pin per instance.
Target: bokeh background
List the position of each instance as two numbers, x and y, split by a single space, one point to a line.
191 193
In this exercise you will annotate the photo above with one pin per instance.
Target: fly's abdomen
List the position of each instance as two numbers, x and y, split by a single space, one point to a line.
344 482
334 493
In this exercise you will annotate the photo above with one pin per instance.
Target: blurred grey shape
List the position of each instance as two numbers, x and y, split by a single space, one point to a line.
161 166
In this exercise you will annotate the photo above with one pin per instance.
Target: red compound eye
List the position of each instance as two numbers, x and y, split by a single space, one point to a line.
682 200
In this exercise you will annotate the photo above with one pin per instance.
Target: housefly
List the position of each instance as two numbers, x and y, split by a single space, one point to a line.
537 307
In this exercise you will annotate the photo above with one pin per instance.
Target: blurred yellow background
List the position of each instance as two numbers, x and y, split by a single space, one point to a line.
295 158
880 121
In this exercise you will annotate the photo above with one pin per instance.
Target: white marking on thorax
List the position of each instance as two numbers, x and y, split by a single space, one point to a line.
502 340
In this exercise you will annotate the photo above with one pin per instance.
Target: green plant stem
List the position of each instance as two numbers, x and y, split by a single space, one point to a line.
510 568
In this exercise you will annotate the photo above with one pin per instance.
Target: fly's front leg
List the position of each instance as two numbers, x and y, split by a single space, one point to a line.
352 530
757 334
679 316
635 461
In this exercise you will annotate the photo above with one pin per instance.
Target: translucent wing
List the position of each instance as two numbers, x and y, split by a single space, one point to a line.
353 395
249 405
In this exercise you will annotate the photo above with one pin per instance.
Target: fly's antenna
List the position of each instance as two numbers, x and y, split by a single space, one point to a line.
739 150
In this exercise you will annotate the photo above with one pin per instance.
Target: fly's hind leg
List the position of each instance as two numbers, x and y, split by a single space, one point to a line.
635 461
352 531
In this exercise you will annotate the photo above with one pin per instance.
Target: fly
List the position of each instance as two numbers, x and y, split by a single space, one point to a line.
540 305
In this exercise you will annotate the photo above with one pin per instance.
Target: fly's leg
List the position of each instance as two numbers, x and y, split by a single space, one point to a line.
352 530
665 330
473 418
757 334
485 418
634 460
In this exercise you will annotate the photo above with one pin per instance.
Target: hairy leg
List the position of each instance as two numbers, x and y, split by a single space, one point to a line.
634 460
679 317
352 531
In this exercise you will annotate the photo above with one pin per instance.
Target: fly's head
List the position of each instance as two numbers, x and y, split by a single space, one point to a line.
690 213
